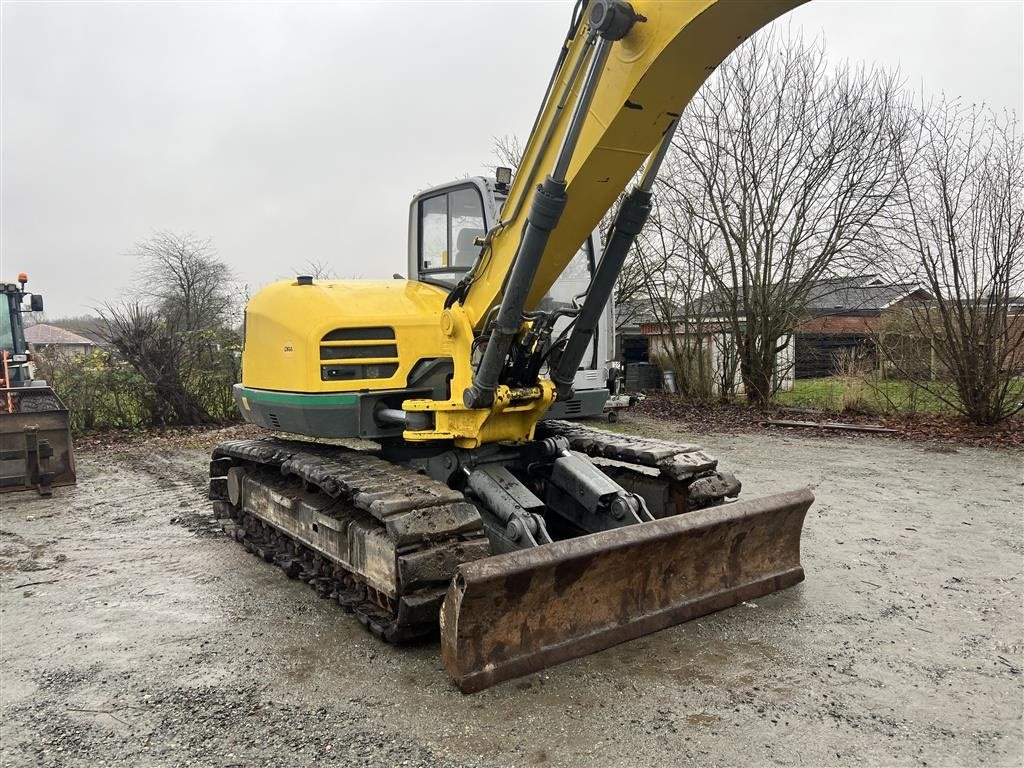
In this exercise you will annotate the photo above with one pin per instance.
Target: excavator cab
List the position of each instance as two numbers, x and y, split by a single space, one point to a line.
447 222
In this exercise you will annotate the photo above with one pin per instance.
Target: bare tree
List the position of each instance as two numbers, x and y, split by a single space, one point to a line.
781 168
192 286
631 297
318 270
508 150
672 285
177 332
962 235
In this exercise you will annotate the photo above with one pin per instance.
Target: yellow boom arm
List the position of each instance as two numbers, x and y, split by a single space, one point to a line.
649 77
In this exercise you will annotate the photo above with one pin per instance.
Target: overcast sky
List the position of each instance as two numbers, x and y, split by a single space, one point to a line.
295 133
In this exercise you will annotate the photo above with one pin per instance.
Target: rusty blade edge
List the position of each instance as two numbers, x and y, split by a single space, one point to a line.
473 673
599 640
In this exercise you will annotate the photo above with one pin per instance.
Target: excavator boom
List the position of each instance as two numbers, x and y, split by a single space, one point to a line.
646 81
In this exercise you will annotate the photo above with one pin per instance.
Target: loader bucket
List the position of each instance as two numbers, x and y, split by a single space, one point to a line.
516 613
35 440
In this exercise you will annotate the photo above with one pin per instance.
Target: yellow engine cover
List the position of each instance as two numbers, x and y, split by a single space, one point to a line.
363 336
340 335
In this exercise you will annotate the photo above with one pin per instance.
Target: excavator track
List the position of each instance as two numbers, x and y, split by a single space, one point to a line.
672 477
381 539
409 556
377 512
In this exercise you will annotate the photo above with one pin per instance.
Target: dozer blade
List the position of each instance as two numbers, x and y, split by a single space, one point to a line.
516 613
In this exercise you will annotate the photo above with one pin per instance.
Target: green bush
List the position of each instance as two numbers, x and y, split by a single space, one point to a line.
214 371
102 391
99 389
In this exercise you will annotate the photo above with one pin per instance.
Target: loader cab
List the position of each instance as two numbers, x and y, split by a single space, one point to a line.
444 224
12 331
8 313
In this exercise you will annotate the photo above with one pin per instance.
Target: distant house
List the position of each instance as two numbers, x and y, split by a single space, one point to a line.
912 343
51 338
715 338
841 316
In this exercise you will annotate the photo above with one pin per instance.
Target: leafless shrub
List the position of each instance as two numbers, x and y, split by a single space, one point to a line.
176 332
669 285
961 235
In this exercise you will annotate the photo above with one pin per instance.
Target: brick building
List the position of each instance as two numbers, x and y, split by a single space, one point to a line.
842 317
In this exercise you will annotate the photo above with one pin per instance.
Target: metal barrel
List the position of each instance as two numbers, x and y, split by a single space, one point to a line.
516 613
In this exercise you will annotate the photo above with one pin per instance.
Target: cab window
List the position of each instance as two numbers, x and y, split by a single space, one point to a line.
574 280
450 223
434 233
7 309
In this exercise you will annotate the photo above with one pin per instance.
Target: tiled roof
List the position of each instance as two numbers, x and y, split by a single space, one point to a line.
857 294
41 333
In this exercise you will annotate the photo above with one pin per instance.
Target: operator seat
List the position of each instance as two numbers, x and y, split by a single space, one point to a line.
466 250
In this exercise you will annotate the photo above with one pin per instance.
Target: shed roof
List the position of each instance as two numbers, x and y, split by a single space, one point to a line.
865 293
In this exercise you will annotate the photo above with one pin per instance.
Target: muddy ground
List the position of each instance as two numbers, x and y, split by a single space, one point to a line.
134 633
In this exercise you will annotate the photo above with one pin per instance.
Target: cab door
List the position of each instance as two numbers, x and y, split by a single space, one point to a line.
444 224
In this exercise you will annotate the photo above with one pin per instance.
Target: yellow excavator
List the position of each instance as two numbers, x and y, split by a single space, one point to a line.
527 542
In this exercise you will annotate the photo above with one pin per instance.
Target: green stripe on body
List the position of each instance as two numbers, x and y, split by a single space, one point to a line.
296 398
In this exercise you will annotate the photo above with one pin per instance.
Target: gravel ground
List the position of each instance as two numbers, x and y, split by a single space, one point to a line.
134 633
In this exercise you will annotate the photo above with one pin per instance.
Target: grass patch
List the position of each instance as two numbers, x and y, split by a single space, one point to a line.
855 394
